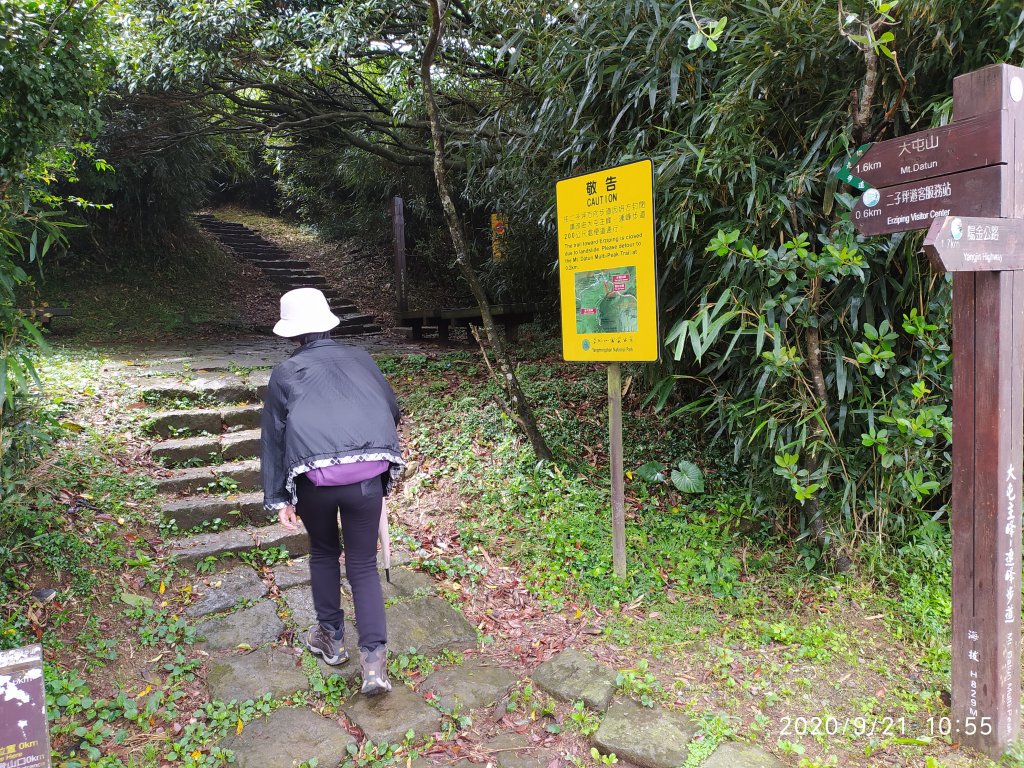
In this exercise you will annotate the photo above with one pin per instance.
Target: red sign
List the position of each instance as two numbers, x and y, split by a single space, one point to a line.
588 311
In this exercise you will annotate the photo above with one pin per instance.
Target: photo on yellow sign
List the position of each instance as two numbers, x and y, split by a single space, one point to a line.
607 268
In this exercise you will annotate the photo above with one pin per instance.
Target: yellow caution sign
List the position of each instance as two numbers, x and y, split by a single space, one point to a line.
607 265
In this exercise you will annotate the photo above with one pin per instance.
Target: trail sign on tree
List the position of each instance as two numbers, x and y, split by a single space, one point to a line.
966 182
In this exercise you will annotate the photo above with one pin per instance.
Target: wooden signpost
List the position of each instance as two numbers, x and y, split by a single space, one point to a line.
24 735
957 244
398 227
966 182
915 205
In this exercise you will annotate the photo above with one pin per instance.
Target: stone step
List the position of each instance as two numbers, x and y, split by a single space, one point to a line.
302 281
289 737
223 226
254 252
357 330
235 239
221 389
194 511
267 259
194 480
223 231
348 321
287 269
291 283
241 236
294 275
261 255
192 549
267 255
214 449
208 220
240 445
241 417
170 423
258 380
202 450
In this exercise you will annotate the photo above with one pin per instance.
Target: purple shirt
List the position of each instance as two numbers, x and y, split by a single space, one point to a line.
346 474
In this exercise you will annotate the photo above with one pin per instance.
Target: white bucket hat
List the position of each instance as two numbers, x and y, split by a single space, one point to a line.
303 311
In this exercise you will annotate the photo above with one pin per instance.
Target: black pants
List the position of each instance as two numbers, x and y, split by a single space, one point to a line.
360 505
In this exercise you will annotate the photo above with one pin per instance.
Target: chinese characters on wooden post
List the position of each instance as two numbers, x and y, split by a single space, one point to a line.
966 182
24 735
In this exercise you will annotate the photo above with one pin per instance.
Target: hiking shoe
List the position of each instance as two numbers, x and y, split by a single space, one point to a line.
375 670
327 642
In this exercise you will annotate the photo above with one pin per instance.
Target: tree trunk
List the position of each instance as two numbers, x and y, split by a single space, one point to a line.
812 338
519 406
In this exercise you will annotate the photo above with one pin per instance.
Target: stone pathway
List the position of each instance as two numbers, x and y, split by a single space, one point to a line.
251 620
285 271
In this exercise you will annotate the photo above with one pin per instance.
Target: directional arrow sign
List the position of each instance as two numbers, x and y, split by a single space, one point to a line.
960 146
846 172
913 206
970 244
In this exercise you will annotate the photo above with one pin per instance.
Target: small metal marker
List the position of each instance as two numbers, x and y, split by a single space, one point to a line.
1017 89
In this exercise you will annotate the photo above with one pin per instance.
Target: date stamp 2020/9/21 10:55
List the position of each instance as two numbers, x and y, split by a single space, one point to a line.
818 726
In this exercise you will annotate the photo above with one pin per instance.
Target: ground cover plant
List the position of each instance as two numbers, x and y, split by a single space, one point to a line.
735 616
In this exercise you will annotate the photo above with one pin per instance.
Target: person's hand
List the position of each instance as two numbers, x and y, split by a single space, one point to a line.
287 517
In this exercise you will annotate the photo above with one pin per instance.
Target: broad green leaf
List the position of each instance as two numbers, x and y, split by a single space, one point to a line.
136 601
652 472
687 477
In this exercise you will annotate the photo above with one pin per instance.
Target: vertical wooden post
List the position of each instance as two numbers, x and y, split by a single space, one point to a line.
618 495
398 224
988 438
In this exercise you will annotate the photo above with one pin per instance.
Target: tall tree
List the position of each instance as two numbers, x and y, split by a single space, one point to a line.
520 408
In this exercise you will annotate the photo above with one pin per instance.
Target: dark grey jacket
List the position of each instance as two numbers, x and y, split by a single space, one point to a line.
326 404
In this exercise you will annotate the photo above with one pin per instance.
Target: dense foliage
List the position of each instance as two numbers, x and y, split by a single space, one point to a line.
330 90
52 66
823 356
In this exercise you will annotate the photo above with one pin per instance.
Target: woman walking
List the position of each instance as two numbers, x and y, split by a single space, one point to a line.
330 444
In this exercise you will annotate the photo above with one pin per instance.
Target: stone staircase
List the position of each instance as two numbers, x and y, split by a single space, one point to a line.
285 272
250 628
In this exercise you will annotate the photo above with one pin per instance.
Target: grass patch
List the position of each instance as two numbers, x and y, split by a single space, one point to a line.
186 289
721 600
